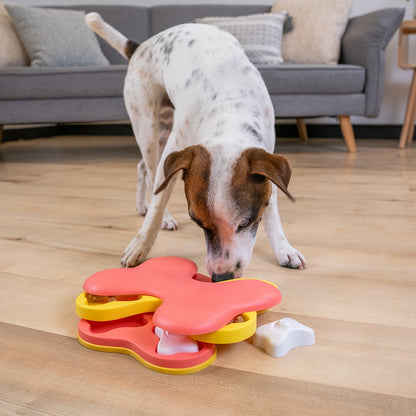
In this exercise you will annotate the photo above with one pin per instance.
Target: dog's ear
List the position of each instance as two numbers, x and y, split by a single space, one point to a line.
273 167
175 162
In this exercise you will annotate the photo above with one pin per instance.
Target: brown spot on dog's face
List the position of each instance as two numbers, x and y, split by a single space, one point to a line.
195 162
270 166
196 180
251 187
250 193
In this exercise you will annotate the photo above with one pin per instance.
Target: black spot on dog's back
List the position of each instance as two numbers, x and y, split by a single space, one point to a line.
253 132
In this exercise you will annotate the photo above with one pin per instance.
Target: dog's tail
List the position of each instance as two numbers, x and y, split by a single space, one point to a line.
112 36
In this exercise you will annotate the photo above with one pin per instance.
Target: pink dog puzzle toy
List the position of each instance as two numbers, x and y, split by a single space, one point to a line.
167 315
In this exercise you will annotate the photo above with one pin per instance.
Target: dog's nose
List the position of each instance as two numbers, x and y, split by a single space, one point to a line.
221 277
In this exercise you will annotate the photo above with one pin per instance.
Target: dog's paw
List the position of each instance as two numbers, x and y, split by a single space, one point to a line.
169 223
287 256
136 252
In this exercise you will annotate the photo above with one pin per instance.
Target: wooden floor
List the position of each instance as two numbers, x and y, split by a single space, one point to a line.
67 210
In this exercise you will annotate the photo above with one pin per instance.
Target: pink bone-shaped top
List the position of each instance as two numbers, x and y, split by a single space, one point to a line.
190 306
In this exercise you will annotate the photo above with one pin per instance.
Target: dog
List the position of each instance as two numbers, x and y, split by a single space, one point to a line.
222 139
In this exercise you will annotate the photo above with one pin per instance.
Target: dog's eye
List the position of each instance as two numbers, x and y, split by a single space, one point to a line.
244 224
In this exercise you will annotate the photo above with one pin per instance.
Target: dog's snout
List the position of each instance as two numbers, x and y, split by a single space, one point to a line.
221 277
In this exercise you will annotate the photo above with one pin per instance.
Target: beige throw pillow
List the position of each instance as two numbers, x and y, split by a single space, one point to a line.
12 52
318 29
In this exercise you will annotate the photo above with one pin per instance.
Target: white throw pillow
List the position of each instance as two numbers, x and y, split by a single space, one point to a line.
260 35
12 52
318 29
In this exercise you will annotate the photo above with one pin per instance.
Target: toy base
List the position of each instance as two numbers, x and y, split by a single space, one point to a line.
135 336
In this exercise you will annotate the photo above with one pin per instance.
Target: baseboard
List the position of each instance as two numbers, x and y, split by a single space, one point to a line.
334 131
35 132
282 130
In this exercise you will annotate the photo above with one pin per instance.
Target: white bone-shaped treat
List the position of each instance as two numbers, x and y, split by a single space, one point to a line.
170 343
279 337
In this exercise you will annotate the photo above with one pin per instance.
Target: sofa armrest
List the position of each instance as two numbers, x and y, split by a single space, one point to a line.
364 42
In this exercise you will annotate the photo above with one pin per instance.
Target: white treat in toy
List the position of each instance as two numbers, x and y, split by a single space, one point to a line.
170 343
279 337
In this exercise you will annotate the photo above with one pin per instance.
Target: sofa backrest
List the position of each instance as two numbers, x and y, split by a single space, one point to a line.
163 17
139 23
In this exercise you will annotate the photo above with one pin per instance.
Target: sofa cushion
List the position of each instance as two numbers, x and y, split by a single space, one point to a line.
259 34
163 17
58 110
56 37
108 81
316 105
314 79
45 82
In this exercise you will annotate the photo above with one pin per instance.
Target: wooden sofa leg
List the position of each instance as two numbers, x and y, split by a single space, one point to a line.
348 133
406 134
303 132
1 133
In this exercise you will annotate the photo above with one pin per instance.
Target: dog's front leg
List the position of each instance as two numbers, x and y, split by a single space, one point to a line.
139 247
141 200
286 255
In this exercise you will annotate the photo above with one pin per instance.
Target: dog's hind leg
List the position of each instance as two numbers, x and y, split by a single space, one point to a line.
143 185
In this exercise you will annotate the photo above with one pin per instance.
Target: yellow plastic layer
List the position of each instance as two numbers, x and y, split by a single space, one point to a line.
233 332
117 309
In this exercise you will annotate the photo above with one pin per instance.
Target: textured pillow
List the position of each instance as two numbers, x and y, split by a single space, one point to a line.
12 52
318 29
259 34
56 37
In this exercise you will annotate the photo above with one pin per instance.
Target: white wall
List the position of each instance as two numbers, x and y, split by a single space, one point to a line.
397 81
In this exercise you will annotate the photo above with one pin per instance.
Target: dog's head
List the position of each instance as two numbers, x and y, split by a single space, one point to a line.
228 201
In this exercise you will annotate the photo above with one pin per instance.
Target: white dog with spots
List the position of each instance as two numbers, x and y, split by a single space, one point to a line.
222 140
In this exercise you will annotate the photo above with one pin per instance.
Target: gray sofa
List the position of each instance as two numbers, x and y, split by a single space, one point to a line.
94 94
